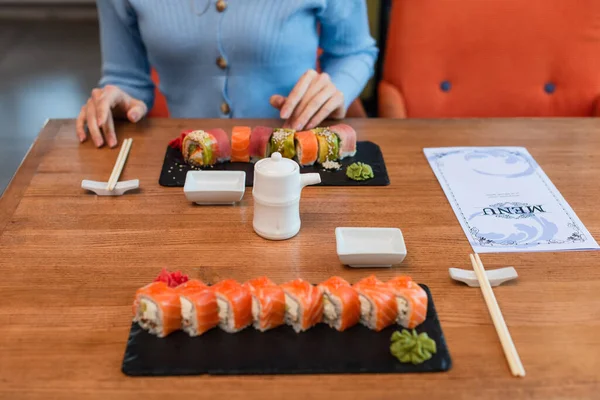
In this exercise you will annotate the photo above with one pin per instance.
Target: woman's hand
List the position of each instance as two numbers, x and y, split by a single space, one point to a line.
99 111
313 99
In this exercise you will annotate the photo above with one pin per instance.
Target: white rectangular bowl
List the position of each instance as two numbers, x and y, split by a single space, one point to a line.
370 247
214 187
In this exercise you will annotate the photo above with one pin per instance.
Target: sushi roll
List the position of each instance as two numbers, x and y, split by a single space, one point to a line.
411 301
282 141
378 308
329 145
303 304
158 309
223 145
268 303
199 149
240 144
199 310
190 285
347 140
307 147
234 302
341 306
260 143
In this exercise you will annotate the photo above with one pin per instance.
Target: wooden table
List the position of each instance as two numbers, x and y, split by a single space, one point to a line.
70 263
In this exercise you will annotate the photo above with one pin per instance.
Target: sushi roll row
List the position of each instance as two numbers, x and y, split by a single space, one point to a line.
315 146
196 307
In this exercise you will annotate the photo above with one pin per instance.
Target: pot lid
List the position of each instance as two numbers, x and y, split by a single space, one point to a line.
276 165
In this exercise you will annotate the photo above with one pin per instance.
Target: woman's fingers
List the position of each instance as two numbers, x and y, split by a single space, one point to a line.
277 101
80 124
92 124
109 131
137 110
105 100
316 105
334 103
297 93
317 85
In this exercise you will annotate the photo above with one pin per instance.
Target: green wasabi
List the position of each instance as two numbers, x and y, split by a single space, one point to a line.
359 171
413 348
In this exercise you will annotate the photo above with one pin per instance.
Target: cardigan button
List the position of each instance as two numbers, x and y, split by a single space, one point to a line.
221 5
445 86
549 88
222 62
225 109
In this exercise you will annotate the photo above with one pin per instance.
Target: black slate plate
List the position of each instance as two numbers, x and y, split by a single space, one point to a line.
174 169
320 350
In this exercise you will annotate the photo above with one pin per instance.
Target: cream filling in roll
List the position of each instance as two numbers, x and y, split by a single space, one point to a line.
149 316
366 311
332 310
403 311
188 317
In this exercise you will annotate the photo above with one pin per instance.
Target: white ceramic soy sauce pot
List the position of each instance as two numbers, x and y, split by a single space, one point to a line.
276 192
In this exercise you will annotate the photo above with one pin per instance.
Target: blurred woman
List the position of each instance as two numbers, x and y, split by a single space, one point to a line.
229 59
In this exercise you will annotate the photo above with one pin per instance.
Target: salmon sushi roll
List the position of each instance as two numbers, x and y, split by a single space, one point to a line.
282 141
234 302
199 149
411 301
347 140
158 309
240 144
223 145
199 310
303 305
378 308
341 306
260 145
268 303
307 148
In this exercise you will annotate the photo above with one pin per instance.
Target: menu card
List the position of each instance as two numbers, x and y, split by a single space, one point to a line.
505 202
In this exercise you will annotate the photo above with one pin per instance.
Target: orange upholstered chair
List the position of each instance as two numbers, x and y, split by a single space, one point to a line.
492 58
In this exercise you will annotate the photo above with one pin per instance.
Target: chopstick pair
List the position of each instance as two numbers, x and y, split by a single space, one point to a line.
119 164
510 351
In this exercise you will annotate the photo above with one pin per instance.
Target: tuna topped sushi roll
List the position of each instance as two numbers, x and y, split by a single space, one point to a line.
307 148
303 304
341 306
235 305
282 141
199 310
158 309
378 308
347 136
411 301
268 303
329 145
223 145
200 149
260 139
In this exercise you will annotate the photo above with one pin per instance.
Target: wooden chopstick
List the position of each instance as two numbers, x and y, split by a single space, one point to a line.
510 351
119 164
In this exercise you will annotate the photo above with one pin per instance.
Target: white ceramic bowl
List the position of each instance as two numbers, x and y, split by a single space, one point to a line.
370 247
214 187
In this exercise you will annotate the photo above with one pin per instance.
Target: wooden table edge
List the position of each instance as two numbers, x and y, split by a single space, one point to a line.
22 177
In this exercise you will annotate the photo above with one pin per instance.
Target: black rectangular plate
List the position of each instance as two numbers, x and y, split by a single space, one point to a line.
174 169
320 350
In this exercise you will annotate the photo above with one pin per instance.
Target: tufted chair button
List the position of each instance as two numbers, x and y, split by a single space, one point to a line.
445 86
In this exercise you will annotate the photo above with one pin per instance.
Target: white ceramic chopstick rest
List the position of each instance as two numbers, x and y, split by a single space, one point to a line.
100 187
495 276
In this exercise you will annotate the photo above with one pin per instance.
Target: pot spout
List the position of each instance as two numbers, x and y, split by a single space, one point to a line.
309 179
